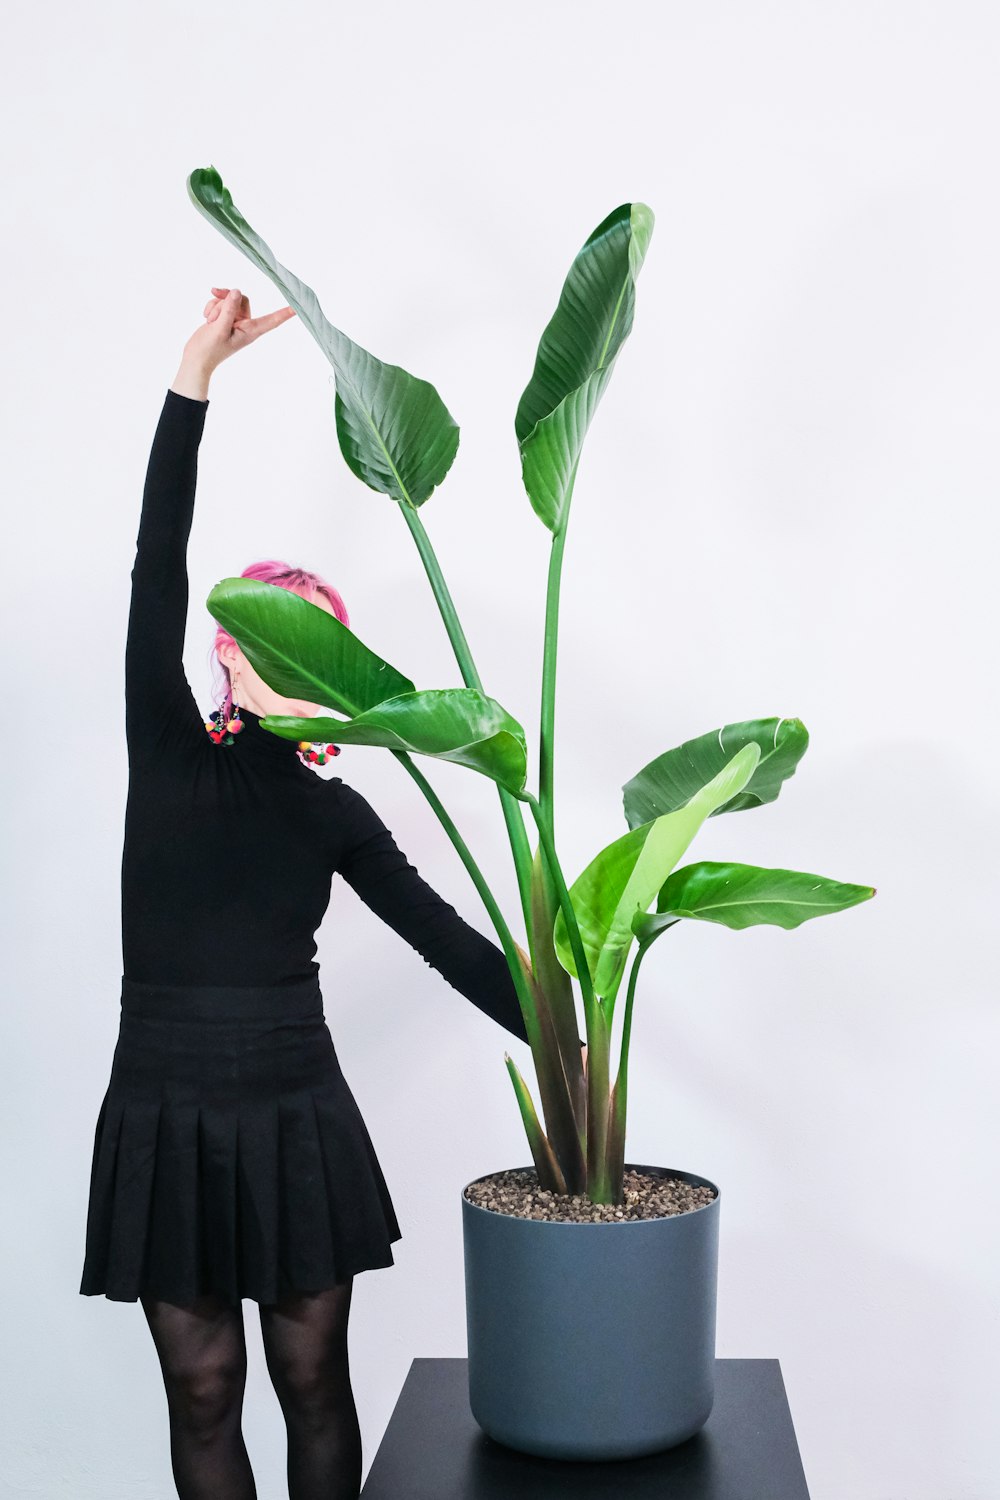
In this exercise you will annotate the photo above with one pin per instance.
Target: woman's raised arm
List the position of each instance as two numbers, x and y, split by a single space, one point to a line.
161 712
160 708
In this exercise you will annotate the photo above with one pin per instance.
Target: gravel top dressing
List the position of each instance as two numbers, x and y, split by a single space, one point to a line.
647 1196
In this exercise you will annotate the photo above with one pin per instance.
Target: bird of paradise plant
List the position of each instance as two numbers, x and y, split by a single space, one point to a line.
399 438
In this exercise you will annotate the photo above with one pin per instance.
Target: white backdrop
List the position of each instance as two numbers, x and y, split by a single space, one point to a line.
786 506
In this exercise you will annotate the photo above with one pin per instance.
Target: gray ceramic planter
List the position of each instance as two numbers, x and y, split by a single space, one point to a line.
591 1341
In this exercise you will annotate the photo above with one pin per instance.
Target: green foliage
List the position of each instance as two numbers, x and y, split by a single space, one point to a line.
302 650
625 876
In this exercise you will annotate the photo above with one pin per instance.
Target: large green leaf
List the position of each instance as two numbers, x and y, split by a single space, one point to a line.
623 878
668 781
394 430
300 649
456 724
741 896
576 355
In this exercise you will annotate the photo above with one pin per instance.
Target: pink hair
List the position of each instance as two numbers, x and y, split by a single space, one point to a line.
298 581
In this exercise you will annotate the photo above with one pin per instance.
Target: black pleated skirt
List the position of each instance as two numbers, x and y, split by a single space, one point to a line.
230 1155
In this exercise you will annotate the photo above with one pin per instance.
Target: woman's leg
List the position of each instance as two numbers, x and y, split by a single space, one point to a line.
305 1344
203 1356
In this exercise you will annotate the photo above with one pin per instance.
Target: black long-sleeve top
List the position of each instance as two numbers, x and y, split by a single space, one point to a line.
230 850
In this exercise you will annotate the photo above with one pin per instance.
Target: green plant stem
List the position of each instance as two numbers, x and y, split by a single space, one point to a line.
616 1138
621 1077
598 1107
546 734
489 900
550 651
513 817
569 915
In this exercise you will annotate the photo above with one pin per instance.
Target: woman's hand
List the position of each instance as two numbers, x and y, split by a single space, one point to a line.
228 326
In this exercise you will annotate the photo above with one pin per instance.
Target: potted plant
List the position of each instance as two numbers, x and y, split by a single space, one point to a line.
590 1283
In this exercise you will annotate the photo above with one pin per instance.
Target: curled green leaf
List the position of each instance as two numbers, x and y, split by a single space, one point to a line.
576 355
395 432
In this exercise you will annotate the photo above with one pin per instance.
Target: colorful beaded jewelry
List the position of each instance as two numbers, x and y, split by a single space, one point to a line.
224 732
315 750
217 729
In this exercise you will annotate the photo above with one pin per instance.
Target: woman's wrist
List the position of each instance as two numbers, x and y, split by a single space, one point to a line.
191 380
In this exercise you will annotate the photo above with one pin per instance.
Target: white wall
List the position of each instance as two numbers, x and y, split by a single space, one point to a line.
786 506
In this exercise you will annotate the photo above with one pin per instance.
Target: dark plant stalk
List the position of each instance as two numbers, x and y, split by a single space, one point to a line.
598 1028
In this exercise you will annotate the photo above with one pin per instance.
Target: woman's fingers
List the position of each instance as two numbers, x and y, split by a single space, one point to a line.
228 325
221 294
250 328
229 310
254 327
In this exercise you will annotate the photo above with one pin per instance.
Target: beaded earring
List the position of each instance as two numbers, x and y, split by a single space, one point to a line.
315 750
217 727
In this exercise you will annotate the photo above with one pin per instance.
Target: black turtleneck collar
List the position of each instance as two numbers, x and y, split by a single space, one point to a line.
257 740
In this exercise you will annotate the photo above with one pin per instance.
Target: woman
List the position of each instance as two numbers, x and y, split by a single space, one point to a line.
230 1158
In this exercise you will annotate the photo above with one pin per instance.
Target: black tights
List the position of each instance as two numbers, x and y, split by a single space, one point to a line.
203 1357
